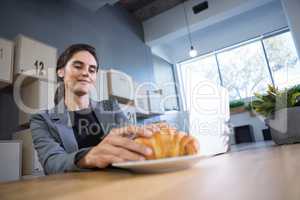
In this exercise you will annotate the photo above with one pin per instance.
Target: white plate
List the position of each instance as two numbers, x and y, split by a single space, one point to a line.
161 165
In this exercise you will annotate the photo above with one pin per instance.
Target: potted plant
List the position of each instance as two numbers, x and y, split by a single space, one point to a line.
250 109
282 112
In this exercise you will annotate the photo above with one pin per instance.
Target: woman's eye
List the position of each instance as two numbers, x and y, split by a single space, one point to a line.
92 71
77 66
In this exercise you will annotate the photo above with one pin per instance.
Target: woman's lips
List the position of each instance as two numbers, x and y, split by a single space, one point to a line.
84 81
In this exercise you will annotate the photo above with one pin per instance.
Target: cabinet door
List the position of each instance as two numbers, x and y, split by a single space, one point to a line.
35 95
155 102
34 58
6 62
141 100
30 162
120 85
101 92
11 157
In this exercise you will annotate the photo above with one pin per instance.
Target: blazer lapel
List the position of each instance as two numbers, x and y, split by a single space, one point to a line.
64 127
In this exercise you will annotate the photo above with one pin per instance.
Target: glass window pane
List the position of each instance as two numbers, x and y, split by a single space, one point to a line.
198 71
244 70
283 60
203 68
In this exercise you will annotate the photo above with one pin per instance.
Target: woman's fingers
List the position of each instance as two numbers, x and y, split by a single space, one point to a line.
128 144
139 131
124 154
119 146
152 127
144 131
131 131
164 125
107 159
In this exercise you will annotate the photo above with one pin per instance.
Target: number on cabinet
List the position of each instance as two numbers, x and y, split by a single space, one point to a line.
34 58
39 68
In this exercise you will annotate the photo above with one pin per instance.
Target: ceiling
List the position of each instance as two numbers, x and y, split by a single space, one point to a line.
141 9
145 9
95 4
225 32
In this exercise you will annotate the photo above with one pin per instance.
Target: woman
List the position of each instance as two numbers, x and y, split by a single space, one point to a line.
79 133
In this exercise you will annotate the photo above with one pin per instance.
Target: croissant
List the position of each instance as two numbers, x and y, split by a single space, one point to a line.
169 143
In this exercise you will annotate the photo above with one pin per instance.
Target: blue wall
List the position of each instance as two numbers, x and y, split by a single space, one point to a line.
164 75
117 36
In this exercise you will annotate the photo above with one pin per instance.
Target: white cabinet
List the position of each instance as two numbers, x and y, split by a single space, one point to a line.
100 93
141 100
35 85
30 162
35 94
6 62
142 105
103 88
148 102
34 58
155 101
130 112
120 85
11 158
115 84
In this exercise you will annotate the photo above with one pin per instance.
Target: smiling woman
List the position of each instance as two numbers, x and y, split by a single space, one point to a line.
78 133
75 59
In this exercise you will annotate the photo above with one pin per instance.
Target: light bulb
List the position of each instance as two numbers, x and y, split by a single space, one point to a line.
193 52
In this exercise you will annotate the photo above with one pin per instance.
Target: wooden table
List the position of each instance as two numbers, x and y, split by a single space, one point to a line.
271 173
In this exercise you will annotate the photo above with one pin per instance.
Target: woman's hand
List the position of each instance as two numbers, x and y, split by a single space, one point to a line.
118 146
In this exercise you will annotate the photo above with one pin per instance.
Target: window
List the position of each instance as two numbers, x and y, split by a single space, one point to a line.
244 70
203 69
283 60
247 68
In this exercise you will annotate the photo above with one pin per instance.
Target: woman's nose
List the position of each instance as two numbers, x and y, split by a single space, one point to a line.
85 72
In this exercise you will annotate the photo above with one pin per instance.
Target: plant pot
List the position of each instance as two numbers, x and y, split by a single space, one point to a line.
285 126
237 110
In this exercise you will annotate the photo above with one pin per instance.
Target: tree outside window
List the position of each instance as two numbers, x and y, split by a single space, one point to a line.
198 71
244 70
283 60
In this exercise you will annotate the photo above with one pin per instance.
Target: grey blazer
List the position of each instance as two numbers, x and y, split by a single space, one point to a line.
54 139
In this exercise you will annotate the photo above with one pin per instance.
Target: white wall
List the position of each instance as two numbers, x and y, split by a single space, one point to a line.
240 28
292 12
171 24
162 51
246 26
245 118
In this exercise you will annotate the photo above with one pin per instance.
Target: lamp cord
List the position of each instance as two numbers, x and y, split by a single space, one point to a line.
187 23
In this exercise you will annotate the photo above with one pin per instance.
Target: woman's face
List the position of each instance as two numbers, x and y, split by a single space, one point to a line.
80 73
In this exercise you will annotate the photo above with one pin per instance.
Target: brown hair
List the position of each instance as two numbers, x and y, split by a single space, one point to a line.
63 60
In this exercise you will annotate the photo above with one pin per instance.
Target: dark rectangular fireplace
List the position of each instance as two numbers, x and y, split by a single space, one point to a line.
243 134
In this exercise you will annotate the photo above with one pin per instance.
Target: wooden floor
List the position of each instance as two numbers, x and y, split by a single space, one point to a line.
270 173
